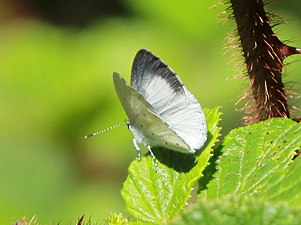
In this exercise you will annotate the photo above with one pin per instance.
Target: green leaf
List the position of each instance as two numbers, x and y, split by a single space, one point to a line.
117 218
239 210
257 161
156 197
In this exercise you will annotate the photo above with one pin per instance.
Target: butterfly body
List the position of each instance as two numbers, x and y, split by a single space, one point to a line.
160 109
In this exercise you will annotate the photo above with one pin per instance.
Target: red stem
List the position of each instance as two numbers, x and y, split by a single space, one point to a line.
264 54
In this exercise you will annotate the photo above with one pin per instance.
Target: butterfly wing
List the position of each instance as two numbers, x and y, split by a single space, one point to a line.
165 92
146 126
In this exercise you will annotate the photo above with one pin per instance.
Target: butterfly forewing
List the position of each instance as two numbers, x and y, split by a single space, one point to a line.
172 102
146 126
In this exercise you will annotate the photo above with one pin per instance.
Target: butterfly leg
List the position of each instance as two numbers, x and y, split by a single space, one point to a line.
137 149
154 158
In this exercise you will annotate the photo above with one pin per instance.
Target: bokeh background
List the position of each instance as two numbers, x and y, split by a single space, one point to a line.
56 64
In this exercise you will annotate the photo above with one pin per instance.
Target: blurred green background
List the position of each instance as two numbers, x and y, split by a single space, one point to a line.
56 64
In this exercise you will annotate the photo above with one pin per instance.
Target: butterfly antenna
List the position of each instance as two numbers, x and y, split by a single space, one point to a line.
107 129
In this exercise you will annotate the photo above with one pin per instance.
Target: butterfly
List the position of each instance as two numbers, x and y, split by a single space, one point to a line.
161 111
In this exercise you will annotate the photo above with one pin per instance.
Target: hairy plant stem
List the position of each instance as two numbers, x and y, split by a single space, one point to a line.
264 54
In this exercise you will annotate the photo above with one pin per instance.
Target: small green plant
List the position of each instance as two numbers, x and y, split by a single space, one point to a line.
23 221
250 179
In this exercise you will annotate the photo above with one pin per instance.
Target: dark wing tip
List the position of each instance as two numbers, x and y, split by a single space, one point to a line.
146 63
144 51
144 54
115 75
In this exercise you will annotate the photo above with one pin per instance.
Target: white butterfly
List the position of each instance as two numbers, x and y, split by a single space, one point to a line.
160 109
